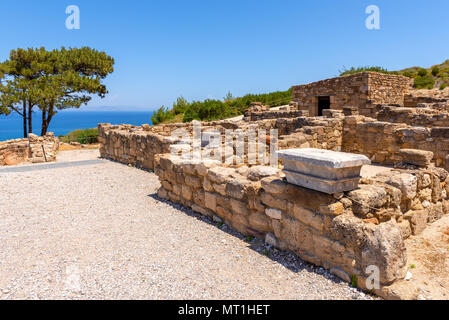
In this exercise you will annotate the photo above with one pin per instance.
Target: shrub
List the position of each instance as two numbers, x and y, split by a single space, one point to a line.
180 106
435 71
353 70
422 72
408 74
443 86
424 82
83 136
208 110
162 114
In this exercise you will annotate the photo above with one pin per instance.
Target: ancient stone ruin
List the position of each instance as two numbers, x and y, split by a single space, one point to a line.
34 149
314 203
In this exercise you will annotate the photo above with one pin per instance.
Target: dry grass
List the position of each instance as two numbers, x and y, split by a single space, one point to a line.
68 147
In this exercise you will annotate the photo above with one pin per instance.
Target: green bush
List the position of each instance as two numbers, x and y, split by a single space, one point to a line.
162 114
353 70
408 74
273 99
83 136
180 106
422 72
424 82
443 86
435 71
208 110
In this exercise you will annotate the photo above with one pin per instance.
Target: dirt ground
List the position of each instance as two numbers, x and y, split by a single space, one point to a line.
428 264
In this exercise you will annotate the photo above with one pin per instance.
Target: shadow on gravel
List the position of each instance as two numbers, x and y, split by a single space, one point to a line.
286 259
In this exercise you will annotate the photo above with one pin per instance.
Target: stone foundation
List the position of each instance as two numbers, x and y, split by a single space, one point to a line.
344 234
34 149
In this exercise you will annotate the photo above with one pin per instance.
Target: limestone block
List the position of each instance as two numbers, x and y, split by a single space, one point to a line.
210 201
274 185
258 172
435 212
416 157
239 207
385 248
273 202
193 181
296 234
220 188
186 192
205 165
366 198
237 188
405 182
220 175
260 222
406 228
418 220
322 170
308 217
274 213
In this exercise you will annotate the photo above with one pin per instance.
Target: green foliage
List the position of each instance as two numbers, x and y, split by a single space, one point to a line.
435 71
443 86
354 281
352 70
52 80
208 110
408 74
422 72
83 136
424 82
412 266
161 115
180 106
273 99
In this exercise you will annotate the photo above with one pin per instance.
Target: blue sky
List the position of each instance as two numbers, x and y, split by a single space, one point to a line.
203 49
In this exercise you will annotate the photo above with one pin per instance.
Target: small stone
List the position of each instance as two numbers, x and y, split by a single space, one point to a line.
408 276
274 213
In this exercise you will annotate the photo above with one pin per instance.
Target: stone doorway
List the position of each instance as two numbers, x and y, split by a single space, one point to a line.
324 103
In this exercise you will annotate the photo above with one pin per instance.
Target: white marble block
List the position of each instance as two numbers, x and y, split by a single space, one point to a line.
323 170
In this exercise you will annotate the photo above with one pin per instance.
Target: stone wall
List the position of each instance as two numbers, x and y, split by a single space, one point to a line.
139 145
363 90
34 149
422 117
382 141
344 233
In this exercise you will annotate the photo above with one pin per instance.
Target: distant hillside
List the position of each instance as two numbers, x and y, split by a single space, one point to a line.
436 76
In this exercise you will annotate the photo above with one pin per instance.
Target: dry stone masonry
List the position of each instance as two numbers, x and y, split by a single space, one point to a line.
34 149
363 222
363 90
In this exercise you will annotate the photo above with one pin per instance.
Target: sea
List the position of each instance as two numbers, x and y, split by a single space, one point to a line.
66 121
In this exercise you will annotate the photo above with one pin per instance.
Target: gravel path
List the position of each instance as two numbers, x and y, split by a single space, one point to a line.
99 232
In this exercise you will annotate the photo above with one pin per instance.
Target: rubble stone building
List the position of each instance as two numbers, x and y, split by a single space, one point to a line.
364 91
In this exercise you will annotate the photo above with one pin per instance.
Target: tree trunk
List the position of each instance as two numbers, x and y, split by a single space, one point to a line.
44 120
30 120
25 131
